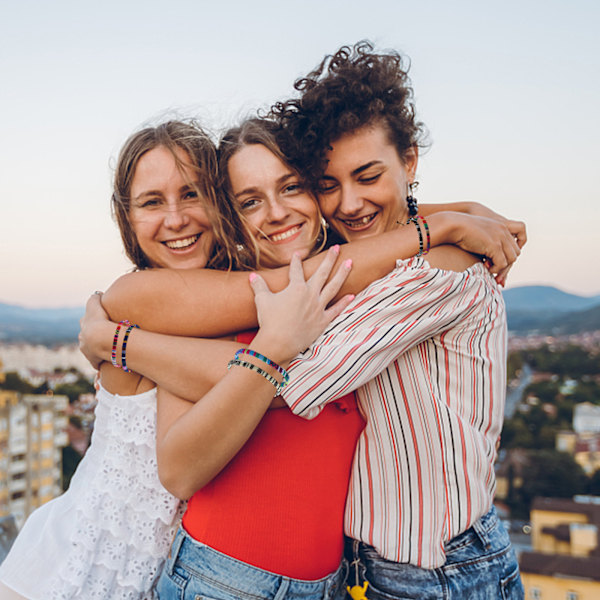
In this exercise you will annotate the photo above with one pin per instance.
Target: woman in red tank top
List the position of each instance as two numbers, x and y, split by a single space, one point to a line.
267 510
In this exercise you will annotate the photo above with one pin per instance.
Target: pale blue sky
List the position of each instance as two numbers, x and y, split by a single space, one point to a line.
510 92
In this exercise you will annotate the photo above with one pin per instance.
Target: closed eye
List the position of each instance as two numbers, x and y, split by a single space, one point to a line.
327 186
369 178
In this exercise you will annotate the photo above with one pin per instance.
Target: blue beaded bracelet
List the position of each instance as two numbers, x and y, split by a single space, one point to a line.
267 361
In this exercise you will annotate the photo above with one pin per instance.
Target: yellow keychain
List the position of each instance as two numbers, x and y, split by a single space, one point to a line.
357 592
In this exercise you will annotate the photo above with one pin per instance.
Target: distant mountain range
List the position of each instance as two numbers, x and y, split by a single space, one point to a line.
544 309
549 310
39 325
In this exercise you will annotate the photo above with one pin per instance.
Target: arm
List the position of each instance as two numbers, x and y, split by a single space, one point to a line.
194 442
187 367
213 303
410 305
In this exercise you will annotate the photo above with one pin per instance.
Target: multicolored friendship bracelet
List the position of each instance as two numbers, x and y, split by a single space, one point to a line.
124 347
415 220
113 354
427 234
266 360
248 365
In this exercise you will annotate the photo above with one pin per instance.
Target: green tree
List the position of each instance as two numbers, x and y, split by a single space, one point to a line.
16 384
549 474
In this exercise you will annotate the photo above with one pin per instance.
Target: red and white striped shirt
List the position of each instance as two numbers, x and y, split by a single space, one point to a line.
426 351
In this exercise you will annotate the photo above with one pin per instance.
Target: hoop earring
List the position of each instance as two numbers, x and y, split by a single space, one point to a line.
411 201
322 236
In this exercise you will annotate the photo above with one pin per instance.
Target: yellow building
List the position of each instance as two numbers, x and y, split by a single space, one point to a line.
565 561
32 434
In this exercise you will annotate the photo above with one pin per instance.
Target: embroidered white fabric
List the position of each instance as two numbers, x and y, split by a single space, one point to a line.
106 537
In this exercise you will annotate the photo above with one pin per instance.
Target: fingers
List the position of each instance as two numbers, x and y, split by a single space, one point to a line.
503 253
333 286
258 284
321 275
518 230
334 310
296 272
502 275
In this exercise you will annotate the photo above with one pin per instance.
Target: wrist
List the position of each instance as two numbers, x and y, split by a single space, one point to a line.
443 228
274 347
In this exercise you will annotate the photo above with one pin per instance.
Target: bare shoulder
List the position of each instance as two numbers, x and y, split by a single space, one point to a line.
451 258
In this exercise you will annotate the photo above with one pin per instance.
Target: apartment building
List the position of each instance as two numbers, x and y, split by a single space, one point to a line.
32 435
565 561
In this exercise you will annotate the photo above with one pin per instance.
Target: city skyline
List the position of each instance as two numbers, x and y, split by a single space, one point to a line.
509 95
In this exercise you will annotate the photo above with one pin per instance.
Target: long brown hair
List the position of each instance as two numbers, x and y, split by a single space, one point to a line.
198 146
252 131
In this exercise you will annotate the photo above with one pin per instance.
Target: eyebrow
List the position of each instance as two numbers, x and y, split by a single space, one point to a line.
366 166
278 181
182 189
358 170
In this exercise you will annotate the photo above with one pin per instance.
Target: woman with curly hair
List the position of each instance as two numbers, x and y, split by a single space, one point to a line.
420 519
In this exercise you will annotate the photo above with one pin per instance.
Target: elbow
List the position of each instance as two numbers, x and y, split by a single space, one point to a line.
175 485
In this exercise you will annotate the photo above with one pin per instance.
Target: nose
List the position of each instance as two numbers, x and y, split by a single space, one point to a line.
351 201
277 210
176 217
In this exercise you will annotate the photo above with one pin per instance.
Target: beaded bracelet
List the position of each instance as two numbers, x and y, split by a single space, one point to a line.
427 234
416 223
248 365
124 347
266 360
113 354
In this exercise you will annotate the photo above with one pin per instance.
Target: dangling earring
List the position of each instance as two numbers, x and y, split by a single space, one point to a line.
411 202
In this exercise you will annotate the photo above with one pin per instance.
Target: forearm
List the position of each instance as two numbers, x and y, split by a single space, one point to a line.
212 303
195 442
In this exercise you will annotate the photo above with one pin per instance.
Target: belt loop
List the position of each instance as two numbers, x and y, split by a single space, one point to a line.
174 550
283 588
483 531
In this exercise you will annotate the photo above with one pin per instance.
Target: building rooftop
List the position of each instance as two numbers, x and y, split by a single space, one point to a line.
556 565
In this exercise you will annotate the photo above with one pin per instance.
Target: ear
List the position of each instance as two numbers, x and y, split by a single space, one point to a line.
410 159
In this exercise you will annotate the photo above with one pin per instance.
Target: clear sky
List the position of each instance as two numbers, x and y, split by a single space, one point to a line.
510 92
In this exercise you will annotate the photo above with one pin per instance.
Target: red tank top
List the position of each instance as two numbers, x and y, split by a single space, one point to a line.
279 504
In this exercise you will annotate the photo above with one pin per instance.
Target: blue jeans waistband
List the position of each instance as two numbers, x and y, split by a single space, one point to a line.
204 563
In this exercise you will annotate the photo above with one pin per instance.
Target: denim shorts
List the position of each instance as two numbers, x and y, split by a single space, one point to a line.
480 565
194 571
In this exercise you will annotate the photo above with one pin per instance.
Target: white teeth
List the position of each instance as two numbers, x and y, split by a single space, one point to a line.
360 222
179 244
286 234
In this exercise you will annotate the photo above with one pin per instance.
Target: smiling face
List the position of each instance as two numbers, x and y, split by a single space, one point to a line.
363 191
167 216
282 215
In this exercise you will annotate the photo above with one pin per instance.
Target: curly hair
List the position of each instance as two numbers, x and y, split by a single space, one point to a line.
350 89
189 137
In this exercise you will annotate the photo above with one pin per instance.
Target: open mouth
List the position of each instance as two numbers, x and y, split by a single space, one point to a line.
285 235
183 243
360 222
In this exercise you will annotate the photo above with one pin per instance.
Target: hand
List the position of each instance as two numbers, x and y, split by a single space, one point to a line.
93 330
292 319
517 228
498 240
